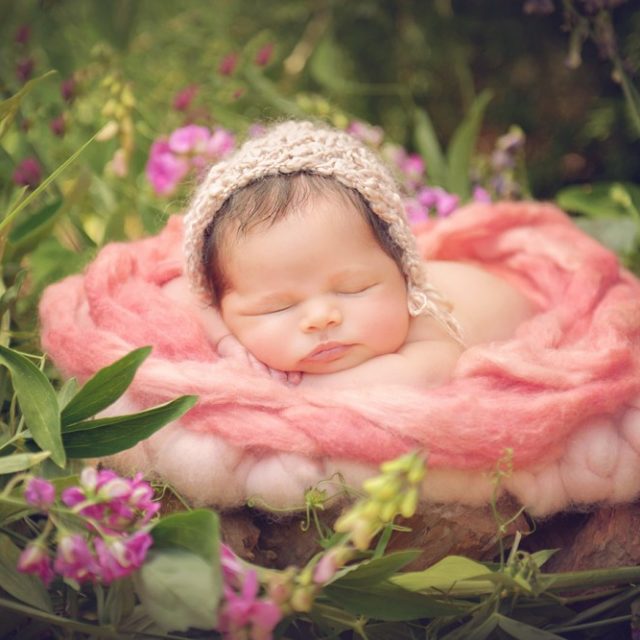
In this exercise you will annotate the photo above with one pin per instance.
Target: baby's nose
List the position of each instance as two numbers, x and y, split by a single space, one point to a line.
320 317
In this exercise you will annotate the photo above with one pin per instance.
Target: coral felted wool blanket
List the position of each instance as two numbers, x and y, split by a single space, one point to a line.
561 399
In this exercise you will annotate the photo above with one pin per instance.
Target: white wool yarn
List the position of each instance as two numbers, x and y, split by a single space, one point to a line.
295 146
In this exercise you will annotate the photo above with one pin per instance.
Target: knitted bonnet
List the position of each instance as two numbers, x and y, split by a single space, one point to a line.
295 146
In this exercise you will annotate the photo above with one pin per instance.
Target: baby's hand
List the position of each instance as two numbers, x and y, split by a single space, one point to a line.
230 347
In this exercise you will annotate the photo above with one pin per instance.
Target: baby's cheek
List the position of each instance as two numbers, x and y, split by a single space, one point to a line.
269 343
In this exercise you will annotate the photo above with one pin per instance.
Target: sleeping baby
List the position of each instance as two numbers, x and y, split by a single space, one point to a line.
300 244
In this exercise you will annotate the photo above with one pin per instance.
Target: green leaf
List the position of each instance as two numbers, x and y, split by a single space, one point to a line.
462 146
21 461
30 230
23 587
178 590
429 148
104 388
38 402
373 571
620 235
598 200
106 436
451 575
67 392
120 602
196 531
522 631
43 185
542 556
9 107
388 602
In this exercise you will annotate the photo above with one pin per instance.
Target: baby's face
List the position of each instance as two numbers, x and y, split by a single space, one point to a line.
314 292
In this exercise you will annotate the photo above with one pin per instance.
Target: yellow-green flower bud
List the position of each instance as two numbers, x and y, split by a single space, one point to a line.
409 503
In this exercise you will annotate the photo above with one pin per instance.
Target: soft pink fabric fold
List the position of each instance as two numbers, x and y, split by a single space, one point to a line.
576 361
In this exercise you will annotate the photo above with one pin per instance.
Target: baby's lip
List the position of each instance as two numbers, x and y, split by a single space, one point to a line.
327 352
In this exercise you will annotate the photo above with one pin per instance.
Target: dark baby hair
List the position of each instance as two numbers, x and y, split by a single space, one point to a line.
269 199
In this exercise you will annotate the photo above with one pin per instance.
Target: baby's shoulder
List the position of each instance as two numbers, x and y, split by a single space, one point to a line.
486 305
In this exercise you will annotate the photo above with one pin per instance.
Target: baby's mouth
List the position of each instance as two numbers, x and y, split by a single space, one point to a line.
327 352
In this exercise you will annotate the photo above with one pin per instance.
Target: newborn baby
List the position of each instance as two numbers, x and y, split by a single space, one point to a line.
316 287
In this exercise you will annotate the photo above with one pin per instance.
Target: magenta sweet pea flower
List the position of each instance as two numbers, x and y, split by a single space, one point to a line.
481 195
75 560
165 170
68 89
366 133
28 173
264 54
220 144
189 139
121 556
39 493
35 560
447 204
228 64
183 99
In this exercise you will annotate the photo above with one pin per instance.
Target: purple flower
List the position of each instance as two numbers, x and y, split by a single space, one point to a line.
164 170
40 493
58 126
24 69
481 195
28 173
264 54
189 139
184 97
75 560
412 165
122 555
415 210
447 204
23 34
68 89
228 64
35 560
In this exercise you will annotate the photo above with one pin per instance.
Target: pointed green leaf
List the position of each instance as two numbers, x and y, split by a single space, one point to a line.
106 386
522 631
38 402
449 575
195 531
178 590
599 200
29 230
9 107
542 556
388 602
430 149
106 436
21 461
372 571
23 587
43 185
462 146
67 391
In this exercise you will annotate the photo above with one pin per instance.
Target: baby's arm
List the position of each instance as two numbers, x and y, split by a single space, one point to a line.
422 364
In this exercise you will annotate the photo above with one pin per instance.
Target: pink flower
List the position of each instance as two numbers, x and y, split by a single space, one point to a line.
189 139
244 611
40 493
122 555
228 64
480 194
437 198
220 144
264 55
366 133
184 97
415 210
447 204
58 126
412 165
74 559
164 170
68 89
35 560
28 173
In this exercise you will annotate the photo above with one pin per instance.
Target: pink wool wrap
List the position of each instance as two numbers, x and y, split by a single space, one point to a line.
560 400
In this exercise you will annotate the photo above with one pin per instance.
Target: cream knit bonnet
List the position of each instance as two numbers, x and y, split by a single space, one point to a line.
295 146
